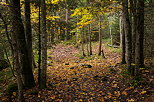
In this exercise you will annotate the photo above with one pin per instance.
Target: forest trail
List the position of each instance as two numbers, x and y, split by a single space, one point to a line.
92 79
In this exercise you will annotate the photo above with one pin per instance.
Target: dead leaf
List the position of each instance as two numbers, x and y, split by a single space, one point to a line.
117 93
131 100
124 93
115 85
143 92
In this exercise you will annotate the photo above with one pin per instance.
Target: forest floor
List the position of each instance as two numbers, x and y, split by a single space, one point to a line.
73 78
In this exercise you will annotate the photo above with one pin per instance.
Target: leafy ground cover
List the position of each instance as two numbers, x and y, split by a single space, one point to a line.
72 78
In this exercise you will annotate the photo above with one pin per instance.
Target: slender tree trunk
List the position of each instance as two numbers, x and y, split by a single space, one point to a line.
123 45
66 20
121 29
134 25
90 45
100 37
44 46
110 30
100 50
82 43
139 55
87 43
77 33
39 44
128 36
18 28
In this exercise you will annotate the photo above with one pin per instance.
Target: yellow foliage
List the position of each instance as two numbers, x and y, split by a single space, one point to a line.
52 17
3 3
53 1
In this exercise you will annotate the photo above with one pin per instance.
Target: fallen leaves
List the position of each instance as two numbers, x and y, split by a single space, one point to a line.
81 80
143 92
124 93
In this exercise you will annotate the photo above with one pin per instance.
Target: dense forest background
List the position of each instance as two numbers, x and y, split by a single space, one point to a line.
46 45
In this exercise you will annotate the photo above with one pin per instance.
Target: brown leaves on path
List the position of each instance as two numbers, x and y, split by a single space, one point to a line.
71 79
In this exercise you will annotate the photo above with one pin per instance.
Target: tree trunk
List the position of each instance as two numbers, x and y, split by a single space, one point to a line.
123 45
87 42
110 30
18 73
44 46
82 43
139 55
28 31
39 43
90 45
77 33
121 29
100 50
128 36
18 67
134 25
66 20
18 28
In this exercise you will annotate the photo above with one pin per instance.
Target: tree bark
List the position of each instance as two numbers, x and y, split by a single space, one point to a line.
18 28
44 46
134 25
120 28
128 36
87 43
82 43
110 31
90 45
66 20
100 50
123 45
18 66
139 55
28 31
39 43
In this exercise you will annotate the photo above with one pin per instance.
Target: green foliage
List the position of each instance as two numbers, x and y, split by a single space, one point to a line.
12 87
72 41
3 64
136 81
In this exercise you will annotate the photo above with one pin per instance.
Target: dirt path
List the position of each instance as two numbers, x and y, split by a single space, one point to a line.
91 79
